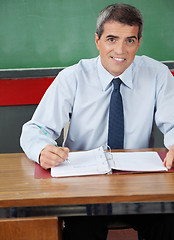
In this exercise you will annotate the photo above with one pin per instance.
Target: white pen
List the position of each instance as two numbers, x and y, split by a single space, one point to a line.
51 140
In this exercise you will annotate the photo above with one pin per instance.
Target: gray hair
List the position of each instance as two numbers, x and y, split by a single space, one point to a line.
122 13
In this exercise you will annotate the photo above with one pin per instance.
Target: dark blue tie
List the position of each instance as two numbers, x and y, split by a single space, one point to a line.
116 118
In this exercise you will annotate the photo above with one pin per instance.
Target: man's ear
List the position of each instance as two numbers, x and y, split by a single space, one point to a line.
97 40
139 41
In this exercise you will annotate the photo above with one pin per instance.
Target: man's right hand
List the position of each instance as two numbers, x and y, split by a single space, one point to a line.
52 156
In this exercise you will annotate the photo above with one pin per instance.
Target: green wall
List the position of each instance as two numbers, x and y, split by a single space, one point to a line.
58 33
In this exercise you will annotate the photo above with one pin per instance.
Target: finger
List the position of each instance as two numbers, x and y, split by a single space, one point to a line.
168 161
62 152
66 149
164 162
45 165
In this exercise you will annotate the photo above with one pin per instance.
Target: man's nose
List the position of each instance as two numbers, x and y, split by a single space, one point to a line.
119 48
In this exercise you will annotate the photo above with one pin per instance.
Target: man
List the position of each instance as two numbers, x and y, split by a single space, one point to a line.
81 95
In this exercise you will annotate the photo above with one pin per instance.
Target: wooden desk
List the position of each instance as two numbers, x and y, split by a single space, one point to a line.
21 195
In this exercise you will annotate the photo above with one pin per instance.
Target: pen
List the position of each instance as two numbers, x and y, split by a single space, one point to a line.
51 140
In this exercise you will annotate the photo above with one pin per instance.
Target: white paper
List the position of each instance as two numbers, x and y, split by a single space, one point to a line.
137 161
94 162
90 162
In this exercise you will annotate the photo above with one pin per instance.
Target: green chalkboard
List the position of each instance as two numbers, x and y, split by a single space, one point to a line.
58 33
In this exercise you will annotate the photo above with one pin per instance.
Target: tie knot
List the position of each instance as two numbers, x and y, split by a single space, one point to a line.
117 83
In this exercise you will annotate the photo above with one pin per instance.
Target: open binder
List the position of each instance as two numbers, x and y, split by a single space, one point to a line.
100 161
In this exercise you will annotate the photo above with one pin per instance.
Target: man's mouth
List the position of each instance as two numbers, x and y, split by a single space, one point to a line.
119 59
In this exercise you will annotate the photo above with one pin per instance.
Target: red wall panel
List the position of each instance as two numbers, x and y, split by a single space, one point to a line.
24 91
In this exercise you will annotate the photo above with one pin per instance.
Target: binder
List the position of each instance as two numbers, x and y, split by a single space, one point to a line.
100 161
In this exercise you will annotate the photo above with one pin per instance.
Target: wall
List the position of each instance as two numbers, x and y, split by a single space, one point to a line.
22 102
57 33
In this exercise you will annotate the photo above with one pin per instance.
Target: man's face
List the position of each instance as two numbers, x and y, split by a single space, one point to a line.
117 46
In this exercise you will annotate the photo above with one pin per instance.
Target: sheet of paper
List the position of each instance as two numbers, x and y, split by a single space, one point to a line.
90 162
137 161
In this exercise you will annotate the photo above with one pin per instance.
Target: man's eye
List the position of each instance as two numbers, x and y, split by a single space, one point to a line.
111 39
130 40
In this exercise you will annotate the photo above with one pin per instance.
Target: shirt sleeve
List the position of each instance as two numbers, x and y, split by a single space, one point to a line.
52 114
164 115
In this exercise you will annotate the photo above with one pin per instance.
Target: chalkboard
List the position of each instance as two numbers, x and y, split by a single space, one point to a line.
58 33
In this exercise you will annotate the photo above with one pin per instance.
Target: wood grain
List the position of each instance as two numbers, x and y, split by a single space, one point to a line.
18 187
29 228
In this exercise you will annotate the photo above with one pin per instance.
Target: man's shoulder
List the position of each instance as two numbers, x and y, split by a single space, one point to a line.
79 71
83 65
148 62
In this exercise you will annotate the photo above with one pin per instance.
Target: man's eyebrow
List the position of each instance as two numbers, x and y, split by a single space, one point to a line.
111 36
132 37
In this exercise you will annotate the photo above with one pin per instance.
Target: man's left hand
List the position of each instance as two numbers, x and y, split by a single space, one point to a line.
169 159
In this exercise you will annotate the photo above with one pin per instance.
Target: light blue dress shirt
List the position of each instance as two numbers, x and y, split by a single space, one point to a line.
81 94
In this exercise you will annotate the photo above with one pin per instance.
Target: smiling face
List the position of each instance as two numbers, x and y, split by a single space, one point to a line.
117 46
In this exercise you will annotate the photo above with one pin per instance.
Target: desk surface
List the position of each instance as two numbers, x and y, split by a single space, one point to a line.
19 188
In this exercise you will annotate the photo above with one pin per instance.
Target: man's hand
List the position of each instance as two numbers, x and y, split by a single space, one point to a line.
52 156
169 159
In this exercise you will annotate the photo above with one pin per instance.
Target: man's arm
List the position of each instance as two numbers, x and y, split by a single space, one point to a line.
169 159
52 114
52 156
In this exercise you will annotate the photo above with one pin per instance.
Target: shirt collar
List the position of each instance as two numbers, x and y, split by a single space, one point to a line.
127 76
106 78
